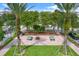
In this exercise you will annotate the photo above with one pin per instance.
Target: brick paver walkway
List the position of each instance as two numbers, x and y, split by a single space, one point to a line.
44 40
75 48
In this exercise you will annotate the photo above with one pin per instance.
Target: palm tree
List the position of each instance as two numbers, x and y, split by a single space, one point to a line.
17 9
67 8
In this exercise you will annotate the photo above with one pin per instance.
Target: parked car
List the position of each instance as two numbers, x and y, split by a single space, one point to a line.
73 35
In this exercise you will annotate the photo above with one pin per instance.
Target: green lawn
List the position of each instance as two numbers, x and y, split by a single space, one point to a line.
43 51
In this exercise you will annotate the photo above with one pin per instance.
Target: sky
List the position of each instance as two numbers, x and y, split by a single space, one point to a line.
36 6
43 6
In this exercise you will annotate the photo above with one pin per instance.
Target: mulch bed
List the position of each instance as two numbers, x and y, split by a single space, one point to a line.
41 33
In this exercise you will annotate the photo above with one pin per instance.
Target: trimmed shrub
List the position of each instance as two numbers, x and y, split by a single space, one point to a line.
38 28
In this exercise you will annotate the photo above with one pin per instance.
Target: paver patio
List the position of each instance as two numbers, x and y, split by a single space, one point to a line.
44 40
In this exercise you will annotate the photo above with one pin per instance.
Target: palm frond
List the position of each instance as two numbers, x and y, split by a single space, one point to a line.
75 6
67 6
60 7
30 8
17 7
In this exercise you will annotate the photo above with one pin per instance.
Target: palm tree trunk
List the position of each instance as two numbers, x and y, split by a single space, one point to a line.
65 45
57 28
61 30
27 28
72 29
54 28
18 31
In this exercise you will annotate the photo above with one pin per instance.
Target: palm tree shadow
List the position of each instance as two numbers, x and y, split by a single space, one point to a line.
26 47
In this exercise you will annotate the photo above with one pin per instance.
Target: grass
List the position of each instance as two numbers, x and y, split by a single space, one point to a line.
51 50
77 35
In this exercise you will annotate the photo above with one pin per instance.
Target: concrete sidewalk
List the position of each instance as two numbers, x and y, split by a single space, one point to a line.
6 48
75 48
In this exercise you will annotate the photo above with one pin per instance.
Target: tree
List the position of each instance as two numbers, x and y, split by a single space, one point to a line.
67 8
74 21
57 19
1 28
45 18
17 9
9 19
29 18
1 32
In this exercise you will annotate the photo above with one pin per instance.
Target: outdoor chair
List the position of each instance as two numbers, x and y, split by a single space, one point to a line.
52 38
29 38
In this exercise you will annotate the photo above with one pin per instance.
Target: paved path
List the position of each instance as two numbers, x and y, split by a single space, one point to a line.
44 40
6 48
75 48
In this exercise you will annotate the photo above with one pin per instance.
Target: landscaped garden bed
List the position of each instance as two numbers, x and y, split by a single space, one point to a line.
8 41
49 50
41 33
